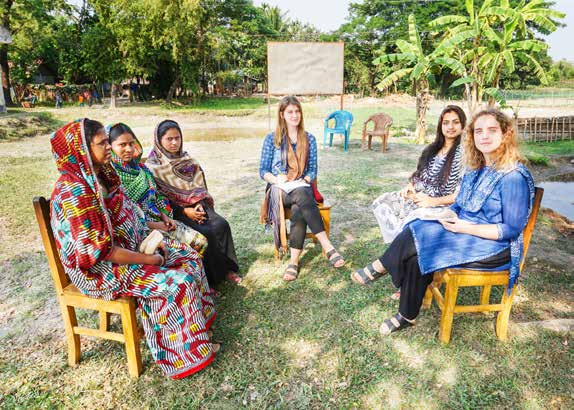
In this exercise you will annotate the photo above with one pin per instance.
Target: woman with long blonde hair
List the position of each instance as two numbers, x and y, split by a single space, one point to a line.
492 209
289 166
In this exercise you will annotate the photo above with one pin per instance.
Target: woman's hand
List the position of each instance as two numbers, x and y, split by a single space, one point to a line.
157 225
279 179
407 191
422 200
457 225
164 251
195 213
169 223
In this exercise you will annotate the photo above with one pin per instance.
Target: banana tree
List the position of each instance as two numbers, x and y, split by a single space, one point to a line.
493 47
421 67
477 20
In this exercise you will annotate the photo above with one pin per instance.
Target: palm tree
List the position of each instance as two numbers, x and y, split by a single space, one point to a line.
477 21
277 19
412 53
492 47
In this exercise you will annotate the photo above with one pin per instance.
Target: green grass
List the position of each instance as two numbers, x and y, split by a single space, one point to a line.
19 123
557 148
312 343
223 105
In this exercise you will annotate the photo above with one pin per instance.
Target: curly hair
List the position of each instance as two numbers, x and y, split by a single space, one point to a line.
505 155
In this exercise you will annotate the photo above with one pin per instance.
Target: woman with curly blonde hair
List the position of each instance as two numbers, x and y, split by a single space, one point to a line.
491 209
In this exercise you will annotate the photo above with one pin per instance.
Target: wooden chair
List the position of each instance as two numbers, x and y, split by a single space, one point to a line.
71 298
456 278
382 124
324 210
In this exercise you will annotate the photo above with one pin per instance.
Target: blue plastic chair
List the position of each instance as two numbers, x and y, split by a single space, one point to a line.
343 121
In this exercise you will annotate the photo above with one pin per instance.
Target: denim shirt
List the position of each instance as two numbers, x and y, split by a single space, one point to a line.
507 206
271 158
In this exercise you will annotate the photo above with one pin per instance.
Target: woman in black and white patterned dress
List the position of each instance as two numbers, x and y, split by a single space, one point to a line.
435 182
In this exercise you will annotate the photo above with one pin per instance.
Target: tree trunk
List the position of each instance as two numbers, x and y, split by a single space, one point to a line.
113 95
172 89
423 100
491 100
4 56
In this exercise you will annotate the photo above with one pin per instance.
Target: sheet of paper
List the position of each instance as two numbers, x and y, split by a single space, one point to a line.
291 185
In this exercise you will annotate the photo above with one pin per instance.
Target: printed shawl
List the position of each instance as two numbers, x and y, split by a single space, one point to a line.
476 190
178 176
85 234
138 182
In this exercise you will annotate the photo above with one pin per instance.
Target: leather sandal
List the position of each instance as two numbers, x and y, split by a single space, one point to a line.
292 270
334 259
366 275
393 324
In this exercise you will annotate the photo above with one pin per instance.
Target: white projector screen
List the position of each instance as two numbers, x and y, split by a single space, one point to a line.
305 68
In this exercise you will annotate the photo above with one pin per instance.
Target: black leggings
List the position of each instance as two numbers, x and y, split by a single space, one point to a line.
401 261
304 212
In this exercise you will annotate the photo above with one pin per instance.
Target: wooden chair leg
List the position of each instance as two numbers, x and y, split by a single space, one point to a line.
384 148
485 294
104 320
428 298
74 346
131 335
327 222
504 315
450 295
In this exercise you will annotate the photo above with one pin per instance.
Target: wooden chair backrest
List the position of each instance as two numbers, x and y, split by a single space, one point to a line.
42 209
381 121
529 228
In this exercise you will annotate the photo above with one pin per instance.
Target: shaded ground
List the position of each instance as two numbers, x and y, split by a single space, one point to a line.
308 344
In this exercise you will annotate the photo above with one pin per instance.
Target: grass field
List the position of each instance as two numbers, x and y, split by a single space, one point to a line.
313 343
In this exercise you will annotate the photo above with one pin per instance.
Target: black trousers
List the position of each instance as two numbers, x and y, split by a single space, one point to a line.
219 257
401 261
304 212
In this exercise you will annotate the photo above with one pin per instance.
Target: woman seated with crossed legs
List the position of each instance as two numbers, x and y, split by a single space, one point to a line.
290 154
492 208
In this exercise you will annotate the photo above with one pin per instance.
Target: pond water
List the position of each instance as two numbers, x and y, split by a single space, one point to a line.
223 134
559 196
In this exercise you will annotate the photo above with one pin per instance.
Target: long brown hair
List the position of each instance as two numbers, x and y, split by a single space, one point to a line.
505 155
433 148
281 128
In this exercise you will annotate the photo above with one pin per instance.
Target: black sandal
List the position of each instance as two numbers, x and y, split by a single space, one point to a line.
393 324
334 259
292 270
364 275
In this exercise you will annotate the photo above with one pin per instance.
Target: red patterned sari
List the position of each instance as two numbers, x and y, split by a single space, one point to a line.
174 299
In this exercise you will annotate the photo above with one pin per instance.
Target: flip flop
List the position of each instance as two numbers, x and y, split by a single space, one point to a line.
363 275
394 324
334 259
292 270
234 278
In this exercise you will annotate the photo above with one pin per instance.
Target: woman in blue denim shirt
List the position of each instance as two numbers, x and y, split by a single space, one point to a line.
289 155
492 209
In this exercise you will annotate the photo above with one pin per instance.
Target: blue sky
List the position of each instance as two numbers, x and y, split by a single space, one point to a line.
328 15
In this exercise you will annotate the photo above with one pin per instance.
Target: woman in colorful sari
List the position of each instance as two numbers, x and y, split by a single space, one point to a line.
492 208
290 155
181 179
141 188
98 230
